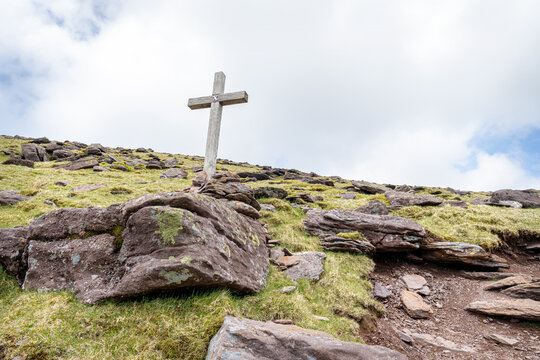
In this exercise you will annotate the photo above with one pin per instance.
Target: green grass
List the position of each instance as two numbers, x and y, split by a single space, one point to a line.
55 325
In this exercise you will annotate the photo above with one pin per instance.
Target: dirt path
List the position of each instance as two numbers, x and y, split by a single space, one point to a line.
450 294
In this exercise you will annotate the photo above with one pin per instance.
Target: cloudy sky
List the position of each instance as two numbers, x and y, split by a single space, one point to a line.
443 93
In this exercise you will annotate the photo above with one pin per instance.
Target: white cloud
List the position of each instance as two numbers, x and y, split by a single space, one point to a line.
386 91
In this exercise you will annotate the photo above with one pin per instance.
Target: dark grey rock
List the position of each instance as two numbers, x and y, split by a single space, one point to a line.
11 197
460 253
34 153
270 192
174 173
527 198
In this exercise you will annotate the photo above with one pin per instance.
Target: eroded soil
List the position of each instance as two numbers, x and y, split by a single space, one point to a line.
450 294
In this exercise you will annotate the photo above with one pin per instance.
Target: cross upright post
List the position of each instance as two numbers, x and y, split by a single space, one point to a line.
215 102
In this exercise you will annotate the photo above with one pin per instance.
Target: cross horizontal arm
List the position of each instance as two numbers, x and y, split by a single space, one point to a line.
204 102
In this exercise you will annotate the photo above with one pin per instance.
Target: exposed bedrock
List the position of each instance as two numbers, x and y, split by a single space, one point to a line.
386 233
169 241
255 340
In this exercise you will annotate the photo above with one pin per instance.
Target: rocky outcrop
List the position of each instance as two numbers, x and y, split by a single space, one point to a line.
399 199
528 290
461 254
174 173
270 192
12 246
11 197
84 163
34 153
169 241
337 243
308 265
374 207
386 233
508 282
527 198
226 186
255 340
19 162
368 188
524 309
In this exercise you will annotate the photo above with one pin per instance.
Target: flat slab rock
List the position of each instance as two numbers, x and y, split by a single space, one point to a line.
242 339
529 290
386 233
169 241
11 197
460 253
439 342
307 265
524 309
398 198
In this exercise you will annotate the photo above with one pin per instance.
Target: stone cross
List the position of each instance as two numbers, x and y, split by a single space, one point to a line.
215 103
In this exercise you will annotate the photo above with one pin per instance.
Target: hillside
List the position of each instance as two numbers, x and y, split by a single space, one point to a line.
180 324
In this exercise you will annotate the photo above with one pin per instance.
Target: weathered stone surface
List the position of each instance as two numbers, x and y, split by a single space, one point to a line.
254 175
397 198
508 282
87 187
11 197
380 291
310 266
374 207
170 241
527 198
439 342
413 281
19 162
348 196
270 192
501 339
337 243
245 209
486 275
100 169
174 173
84 266
415 306
223 188
34 152
63 223
242 339
12 245
386 233
61 154
530 290
287 260
525 309
84 163
461 254
369 188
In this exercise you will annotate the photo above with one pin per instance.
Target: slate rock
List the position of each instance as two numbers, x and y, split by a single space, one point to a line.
486 275
34 152
174 173
222 188
254 340
415 306
245 209
63 223
348 196
270 192
530 290
61 154
460 253
310 266
524 309
386 233
508 282
11 197
527 198
374 207
369 188
12 245
84 163
337 243
83 266
501 339
397 198
380 291
413 281
19 162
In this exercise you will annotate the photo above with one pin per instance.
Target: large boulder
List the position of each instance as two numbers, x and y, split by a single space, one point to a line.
255 340
399 199
460 253
34 152
386 233
12 245
11 197
527 198
84 163
524 309
170 241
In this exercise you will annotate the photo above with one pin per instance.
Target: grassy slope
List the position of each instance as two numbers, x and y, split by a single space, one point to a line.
55 325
